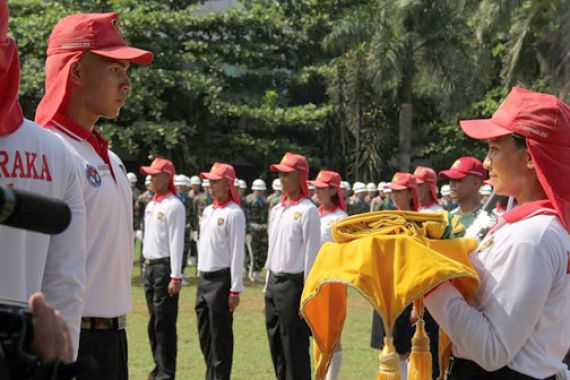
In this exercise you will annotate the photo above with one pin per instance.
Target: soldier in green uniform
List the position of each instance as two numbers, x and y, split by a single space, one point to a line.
195 191
182 184
275 198
356 203
256 213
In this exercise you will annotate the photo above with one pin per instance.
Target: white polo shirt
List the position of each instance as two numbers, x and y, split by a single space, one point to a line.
328 219
222 241
109 227
34 159
520 316
294 237
164 223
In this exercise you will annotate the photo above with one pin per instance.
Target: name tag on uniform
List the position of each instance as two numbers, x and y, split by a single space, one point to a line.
104 170
297 215
220 221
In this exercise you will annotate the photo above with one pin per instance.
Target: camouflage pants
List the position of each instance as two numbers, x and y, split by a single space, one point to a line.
259 248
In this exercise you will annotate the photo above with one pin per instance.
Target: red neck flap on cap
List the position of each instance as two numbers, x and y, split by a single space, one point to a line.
11 116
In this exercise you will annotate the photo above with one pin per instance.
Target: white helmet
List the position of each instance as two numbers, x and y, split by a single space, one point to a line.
206 183
382 186
186 181
359 187
132 177
236 183
445 190
371 187
147 180
179 180
310 186
242 184
486 189
258 184
345 185
195 180
276 185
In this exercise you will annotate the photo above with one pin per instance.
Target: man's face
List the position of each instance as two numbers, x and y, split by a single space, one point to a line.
219 189
508 166
324 195
103 83
196 188
290 182
424 195
402 199
465 188
159 182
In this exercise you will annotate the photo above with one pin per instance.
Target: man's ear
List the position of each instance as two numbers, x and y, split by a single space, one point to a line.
76 73
529 161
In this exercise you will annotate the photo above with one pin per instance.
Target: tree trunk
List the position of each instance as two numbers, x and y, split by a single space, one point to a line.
405 138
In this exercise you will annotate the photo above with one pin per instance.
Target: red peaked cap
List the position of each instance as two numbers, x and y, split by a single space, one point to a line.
226 172
11 116
291 162
98 33
545 122
427 175
327 178
161 165
403 181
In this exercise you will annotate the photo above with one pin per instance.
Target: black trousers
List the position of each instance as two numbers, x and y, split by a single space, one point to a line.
215 323
461 369
287 332
403 333
163 311
109 351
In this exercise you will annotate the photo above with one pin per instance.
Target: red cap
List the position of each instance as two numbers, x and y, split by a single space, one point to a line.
403 181
327 178
427 175
464 166
161 165
291 162
11 116
545 122
99 33
226 172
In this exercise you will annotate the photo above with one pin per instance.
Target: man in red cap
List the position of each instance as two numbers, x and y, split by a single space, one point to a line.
332 208
466 176
517 326
86 78
220 271
294 240
35 160
163 248
426 179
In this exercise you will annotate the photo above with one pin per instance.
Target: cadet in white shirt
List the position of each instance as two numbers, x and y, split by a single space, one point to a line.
86 78
517 326
35 160
164 222
332 208
294 240
220 271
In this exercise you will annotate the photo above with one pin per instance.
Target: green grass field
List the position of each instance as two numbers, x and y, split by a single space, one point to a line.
252 360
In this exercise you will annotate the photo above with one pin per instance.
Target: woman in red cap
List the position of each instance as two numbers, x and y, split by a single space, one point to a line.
517 326
87 78
404 192
220 270
294 240
332 209
426 180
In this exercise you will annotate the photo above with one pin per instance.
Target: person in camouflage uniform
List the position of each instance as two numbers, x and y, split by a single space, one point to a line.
194 193
256 210
140 205
274 198
356 203
182 184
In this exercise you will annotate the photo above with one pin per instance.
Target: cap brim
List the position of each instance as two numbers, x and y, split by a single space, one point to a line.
452 174
395 186
483 129
126 53
318 184
147 170
281 168
210 176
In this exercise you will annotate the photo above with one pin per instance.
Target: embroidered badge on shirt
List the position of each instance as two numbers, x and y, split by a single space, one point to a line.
160 215
297 215
220 221
486 244
93 176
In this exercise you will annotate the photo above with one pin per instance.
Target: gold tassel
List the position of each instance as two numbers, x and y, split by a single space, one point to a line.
389 362
420 358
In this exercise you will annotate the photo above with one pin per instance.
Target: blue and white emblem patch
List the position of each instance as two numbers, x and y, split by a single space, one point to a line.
93 176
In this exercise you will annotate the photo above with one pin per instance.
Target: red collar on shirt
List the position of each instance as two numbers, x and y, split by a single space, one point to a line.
428 205
221 205
543 207
323 210
158 198
75 131
293 202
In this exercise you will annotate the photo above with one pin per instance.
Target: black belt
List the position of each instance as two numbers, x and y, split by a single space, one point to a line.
214 274
162 260
287 276
469 370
